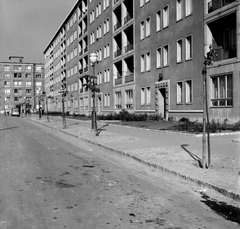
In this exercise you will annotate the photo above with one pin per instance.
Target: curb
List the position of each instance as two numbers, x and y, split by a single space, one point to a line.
155 166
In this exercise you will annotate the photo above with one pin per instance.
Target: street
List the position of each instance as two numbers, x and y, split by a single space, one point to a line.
51 180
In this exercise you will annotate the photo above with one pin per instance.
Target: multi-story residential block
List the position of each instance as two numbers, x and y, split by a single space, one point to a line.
150 57
21 84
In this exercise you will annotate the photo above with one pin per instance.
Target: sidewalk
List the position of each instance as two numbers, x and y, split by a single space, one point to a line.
169 152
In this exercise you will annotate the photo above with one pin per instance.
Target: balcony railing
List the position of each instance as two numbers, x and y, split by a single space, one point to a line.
128 47
129 78
85 30
225 53
117 26
118 81
118 53
86 69
216 4
127 19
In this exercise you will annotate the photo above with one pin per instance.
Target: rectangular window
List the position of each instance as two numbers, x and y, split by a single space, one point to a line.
189 91
28 83
166 16
148 62
143 96
28 68
7 83
159 20
148 96
188 7
142 30
17 68
165 55
179 92
7 91
159 57
142 63
6 68
179 10
222 95
188 47
118 100
148 26
129 99
6 75
179 50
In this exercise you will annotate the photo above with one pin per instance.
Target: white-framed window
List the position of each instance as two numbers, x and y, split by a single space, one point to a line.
159 20
28 68
166 16
7 75
179 50
180 92
142 29
165 55
129 99
159 57
188 7
7 91
189 91
148 26
142 63
6 68
222 91
75 103
148 61
107 100
188 45
148 96
143 99
118 100
179 10
28 83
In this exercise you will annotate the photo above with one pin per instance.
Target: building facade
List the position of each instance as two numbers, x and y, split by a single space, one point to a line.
21 84
150 57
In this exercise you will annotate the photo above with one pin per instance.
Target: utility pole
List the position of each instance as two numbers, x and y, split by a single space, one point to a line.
207 62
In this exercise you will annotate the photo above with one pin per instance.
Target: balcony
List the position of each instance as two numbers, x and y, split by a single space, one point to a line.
217 4
128 47
117 26
225 53
118 81
129 78
118 53
127 19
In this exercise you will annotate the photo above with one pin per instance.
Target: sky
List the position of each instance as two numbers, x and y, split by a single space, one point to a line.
27 26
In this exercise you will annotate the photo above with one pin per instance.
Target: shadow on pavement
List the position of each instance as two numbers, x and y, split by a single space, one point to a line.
101 129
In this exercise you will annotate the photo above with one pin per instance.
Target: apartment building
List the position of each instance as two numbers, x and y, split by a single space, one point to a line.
21 84
150 57
222 26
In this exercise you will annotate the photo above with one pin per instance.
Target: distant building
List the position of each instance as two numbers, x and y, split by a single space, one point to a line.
150 57
21 84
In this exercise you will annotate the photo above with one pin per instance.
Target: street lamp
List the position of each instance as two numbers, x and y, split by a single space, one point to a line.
93 59
207 62
64 92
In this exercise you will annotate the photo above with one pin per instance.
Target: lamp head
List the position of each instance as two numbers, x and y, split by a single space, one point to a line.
93 57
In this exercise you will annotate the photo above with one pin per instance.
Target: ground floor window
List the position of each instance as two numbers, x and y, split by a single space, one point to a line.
188 91
118 100
179 92
129 99
221 95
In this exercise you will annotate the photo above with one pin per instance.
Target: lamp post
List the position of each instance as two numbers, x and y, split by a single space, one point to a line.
93 59
207 62
64 92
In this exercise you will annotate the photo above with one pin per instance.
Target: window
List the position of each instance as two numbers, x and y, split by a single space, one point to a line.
159 20
129 99
159 58
118 100
28 91
142 63
7 91
17 83
148 27
179 50
107 100
148 61
189 91
28 75
28 83
142 30
28 67
148 96
222 95
179 9
6 75
188 7
143 96
188 47
17 68
6 68
7 83
166 16
165 55
179 92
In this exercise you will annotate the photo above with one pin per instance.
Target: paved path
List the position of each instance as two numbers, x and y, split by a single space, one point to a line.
169 152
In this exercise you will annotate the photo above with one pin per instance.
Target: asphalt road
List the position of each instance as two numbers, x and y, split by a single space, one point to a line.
50 180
